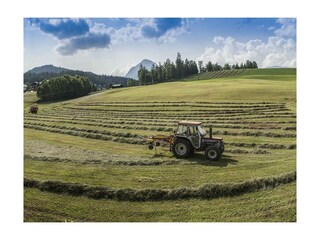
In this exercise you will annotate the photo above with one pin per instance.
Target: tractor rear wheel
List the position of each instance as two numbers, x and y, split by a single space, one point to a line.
212 153
181 148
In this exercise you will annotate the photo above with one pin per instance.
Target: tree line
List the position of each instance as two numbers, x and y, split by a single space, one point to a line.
210 67
166 71
64 87
178 69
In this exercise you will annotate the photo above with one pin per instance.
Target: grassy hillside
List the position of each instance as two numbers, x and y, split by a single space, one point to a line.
256 86
98 141
268 73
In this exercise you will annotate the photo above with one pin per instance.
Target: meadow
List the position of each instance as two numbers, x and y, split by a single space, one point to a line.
86 159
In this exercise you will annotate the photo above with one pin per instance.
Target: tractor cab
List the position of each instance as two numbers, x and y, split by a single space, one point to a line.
192 130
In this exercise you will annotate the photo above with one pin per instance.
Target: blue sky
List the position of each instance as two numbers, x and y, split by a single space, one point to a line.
113 45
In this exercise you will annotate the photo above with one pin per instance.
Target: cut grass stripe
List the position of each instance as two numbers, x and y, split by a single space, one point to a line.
147 126
103 119
109 162
42 126
207 191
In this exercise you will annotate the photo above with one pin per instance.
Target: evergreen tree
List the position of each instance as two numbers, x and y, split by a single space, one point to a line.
209 67
179 66
142 75
200 64
254 64
227 66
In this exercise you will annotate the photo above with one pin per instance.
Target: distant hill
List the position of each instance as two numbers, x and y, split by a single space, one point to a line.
133 72
41 73
48 68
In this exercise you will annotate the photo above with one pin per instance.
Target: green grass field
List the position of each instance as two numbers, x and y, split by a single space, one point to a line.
98 141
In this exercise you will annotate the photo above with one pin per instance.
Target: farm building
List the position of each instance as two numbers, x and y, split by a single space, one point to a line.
117 86
35 85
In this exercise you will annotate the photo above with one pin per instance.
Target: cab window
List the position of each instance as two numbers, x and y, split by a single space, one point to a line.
202 130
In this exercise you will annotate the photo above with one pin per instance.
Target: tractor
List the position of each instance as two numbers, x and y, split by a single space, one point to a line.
188 138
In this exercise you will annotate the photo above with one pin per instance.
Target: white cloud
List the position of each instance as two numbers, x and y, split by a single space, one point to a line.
134 31
288 27
126 34
278 50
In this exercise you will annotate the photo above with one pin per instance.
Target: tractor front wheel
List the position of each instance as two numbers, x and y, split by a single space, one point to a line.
181 148
212 153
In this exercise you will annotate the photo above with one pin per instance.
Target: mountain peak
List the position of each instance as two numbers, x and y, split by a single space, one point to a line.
133 72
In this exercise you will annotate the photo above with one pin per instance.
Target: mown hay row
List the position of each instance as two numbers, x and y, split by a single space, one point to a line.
147 126
200 116
183 112
103 132
256 134
266 145
88 135
98 134
195 102
102 112
207 191
110 162
147 121
161 111
157 119
196 118
132 135
228 106
122 126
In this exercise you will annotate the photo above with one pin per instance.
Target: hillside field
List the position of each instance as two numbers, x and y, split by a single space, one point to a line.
86 159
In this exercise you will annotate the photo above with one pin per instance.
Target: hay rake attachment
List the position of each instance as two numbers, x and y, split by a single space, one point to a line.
156 140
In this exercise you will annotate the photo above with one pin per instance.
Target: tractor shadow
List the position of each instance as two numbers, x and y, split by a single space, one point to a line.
200 159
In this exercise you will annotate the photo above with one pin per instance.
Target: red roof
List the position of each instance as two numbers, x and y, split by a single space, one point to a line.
189 123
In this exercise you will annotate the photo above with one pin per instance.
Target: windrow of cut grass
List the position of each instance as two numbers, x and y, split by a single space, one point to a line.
207 105
207 191
256 111
285 125
205 117
105 135
266 145
169 103
153 121
168 127
85 132
109 162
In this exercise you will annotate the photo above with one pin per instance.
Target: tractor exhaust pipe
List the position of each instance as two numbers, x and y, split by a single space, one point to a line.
210 132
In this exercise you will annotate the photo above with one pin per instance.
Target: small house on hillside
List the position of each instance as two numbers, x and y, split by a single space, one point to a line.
117 86
35 85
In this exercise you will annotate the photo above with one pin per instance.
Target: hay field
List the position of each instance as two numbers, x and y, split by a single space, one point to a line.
86 159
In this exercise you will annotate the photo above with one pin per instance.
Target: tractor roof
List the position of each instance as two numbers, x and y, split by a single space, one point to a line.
189 123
